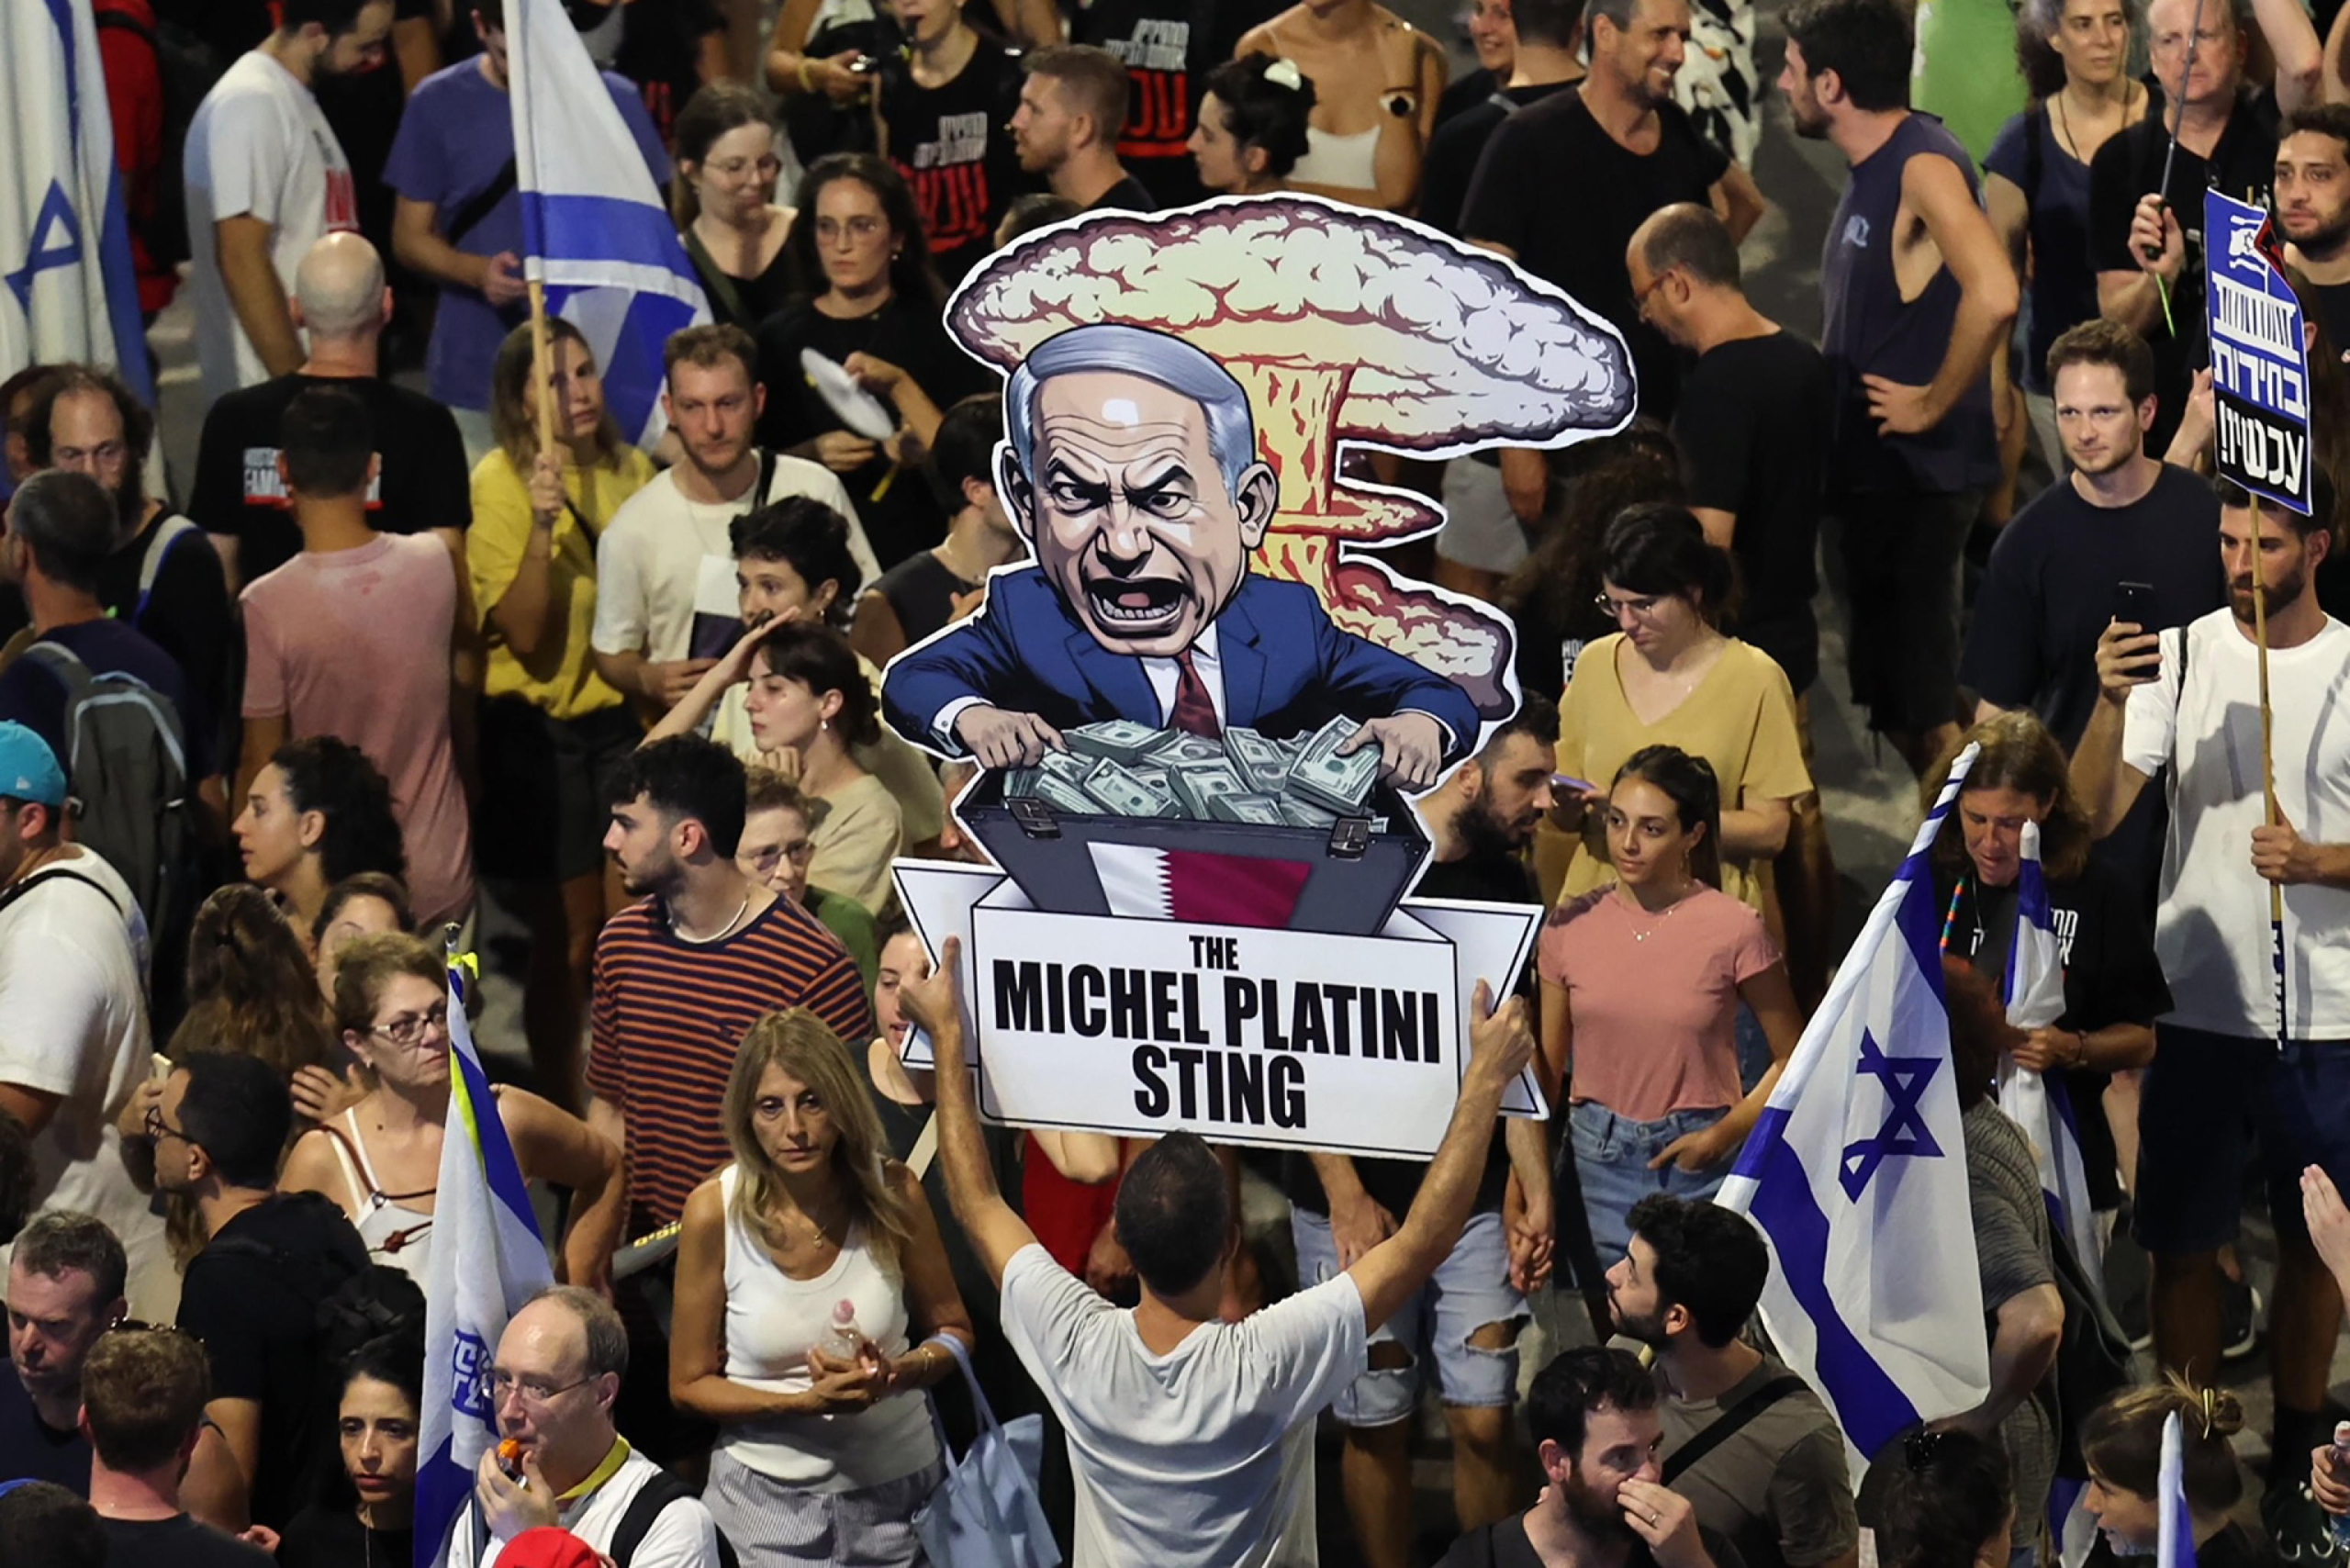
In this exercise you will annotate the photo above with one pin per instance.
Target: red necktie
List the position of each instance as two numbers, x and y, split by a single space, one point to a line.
1194 710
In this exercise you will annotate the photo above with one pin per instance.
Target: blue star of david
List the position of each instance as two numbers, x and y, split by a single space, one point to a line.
1905 1131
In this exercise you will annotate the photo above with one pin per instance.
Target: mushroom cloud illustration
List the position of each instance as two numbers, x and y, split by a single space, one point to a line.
1348 328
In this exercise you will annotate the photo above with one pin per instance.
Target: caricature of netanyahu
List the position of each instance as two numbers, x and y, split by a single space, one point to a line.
1130 464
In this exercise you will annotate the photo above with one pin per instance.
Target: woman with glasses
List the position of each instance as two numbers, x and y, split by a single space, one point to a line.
381 1159
873 309
551 726
778 844
378 1422
1669 677
812 1291
1643 980
725 187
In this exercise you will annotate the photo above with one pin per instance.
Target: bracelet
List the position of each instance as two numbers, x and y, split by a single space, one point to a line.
806 85
2083 1036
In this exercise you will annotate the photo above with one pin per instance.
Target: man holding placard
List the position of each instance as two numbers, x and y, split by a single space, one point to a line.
1191 1438
2228 1070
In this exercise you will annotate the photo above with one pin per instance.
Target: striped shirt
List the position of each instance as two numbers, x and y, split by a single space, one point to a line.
669 1016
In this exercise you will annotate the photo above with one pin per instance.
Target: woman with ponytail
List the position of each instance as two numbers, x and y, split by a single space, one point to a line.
1941 1500
1642 980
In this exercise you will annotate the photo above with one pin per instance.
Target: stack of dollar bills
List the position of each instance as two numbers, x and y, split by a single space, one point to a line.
1118 767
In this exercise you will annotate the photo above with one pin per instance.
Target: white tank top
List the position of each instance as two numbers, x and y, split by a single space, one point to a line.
772 1322
1342 163
394 1234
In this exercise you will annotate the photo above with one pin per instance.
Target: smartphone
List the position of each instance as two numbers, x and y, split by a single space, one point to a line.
2134 603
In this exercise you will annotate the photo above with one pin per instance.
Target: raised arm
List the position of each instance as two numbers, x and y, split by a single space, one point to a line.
1502 1044
2108 787
2293 44
935 1006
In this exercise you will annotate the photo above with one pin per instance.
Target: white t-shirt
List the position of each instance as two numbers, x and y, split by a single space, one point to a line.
2212 931
1200 1458
259 147
74 1023
663 558
681 1536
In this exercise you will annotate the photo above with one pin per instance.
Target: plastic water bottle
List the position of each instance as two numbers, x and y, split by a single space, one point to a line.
2338 1523
843 1342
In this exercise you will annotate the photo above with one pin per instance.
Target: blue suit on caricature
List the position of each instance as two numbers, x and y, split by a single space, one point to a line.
1287 669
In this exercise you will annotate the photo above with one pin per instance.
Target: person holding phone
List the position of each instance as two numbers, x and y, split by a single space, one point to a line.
2123 537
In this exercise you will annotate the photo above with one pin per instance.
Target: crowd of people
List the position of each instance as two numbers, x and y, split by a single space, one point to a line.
425 634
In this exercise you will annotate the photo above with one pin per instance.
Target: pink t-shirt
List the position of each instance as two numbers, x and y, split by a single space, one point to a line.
1654 1018
355 645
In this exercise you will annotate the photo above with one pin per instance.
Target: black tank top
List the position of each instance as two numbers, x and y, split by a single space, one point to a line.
1867 329
953 143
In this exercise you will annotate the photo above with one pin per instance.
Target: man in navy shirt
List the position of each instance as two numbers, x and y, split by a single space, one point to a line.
61 530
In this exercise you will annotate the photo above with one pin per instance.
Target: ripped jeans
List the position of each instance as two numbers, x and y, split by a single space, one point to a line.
1470 1289
1612 1154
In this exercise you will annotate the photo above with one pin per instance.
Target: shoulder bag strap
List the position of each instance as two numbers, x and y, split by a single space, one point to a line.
57 874
1726 1426
728 299
469 218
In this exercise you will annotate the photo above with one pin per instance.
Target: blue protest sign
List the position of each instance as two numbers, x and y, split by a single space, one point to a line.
2260 382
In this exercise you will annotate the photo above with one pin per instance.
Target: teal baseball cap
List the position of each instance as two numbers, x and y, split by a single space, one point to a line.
28 769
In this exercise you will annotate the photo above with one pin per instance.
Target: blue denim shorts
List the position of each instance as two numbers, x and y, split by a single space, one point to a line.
1612 1157
1470 1289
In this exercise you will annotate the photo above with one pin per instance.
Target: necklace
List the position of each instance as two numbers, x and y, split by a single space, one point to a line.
1670 911
2064 122
725 930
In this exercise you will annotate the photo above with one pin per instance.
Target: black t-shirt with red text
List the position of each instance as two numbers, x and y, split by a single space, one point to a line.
1169 48
953 143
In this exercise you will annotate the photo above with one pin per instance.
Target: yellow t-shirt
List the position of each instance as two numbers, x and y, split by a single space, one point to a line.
1741 719
560 677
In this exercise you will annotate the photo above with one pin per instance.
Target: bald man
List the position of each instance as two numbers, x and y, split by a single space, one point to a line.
558 1368
340 299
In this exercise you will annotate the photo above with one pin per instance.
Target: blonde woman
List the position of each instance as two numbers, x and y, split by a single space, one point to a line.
381 1159
550 727
819 1451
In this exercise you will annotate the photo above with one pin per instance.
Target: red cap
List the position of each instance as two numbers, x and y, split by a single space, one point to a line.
548 1547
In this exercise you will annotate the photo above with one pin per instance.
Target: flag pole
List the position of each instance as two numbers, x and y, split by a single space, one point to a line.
2267 764
542 367
2170 156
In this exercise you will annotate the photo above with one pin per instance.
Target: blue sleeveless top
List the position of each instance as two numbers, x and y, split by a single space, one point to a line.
1869 330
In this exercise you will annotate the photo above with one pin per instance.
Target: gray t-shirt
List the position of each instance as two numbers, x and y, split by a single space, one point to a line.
2012 1257
1778 1487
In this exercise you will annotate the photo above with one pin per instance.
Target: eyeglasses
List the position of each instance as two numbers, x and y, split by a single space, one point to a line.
799 853
1642 608
1640 295
863 227
535 1393
732 168
156 1131
411 1028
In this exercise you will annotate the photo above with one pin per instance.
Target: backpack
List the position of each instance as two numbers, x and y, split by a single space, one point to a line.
660 1489
126 764
168 533
354 1306
188 68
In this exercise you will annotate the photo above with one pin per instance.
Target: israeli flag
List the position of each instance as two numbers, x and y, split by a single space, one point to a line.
2039 1104
488 1260
2175 1526
1856 1176
64 242
594 231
